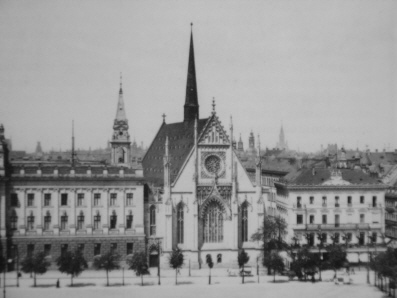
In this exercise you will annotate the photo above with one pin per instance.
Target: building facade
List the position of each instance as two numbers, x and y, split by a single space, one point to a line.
202 199
325 206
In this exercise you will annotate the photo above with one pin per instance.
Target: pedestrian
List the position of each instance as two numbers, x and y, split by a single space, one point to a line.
58 283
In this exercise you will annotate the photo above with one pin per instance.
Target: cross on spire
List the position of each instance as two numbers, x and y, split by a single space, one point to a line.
163 117
121 83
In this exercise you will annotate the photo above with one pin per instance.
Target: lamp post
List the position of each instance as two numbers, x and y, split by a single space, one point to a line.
320 245
158 263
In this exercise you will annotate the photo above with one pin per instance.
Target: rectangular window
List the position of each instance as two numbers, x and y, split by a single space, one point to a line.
30 221
324 218
349 237
80 221
349 201
97 249
324 201
30 199
113 221
47 250
362 201
337 220
64 222
336 238
130 248
30 250
47 222
14 200
14 221
80 199
97 222
97 199
362 218
374 201
311 200
47 199
336 201
129 221
299 219
113 198
129 199
311 219
299 202
361 239
64 199
374 237
113 247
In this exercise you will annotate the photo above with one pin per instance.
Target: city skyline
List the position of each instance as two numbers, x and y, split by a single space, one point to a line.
323 70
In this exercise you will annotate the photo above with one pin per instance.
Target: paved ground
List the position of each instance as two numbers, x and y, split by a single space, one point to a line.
93 284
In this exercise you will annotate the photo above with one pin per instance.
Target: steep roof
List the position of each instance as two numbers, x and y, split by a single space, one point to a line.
307 177
181 141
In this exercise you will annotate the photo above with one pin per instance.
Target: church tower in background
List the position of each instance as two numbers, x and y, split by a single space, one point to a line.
120 143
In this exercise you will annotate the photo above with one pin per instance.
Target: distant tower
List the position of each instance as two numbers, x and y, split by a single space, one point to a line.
39 151
240 145
282 144
120 143
251 141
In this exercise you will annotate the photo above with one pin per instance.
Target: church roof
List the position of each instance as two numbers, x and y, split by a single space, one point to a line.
181 140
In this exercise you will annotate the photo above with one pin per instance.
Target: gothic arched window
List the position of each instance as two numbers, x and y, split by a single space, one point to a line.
152 220
244 222
180 222
213 223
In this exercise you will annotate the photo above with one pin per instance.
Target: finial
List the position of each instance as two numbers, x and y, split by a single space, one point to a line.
163 117
213 105
191 25
231 122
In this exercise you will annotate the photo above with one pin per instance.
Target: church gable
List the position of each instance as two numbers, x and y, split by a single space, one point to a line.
214 133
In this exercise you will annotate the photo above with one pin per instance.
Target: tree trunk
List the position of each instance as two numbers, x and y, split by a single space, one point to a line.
71 280
142 280
274 275
107 277
209 278
176 276
34 279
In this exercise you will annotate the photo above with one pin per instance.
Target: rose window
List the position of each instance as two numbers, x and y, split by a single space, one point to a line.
213 164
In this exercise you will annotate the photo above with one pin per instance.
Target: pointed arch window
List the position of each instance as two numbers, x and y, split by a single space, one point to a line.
47 221
129 220
213 223
113 220
13 220
97 221
244 222
80 221
64 221
180 223
30 225
152 220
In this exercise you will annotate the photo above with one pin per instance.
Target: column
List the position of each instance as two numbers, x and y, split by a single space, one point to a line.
72 218
39 214
122 219
55 217
89 218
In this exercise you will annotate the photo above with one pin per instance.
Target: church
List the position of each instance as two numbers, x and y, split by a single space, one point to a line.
199 196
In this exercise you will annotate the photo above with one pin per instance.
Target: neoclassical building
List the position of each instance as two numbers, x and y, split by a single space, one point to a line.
53 206
333 205
201 197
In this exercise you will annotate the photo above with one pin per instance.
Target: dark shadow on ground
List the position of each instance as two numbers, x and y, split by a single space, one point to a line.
184 283
44 286
81 284
250 282
145 284
278 281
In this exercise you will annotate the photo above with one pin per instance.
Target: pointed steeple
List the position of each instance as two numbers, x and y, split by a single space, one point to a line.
191 107
120 113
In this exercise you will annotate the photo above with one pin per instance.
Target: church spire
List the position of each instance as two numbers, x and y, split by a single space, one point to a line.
120 113
191 107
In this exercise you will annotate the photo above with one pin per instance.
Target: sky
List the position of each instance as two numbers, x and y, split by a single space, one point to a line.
325 70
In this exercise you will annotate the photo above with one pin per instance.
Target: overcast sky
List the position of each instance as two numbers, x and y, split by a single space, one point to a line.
325 69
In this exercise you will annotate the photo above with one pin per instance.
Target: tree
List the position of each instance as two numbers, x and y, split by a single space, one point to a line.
72 263
138 263
109 261
273 261
176 261
210 265
242 259
304 263
336 257
36 264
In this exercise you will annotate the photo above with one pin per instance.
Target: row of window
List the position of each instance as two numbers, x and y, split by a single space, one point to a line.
30 222
81 247
64 199
299 219
338 238
337 201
